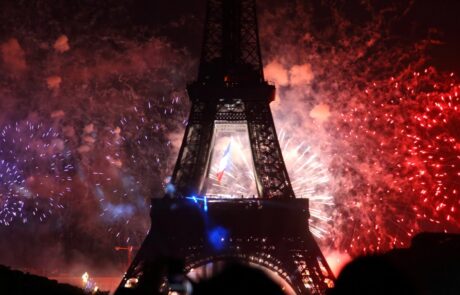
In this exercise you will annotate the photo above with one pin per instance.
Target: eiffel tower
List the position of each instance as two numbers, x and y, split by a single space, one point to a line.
270 229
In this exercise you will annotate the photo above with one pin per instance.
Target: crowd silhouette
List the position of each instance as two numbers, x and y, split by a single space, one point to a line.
430 266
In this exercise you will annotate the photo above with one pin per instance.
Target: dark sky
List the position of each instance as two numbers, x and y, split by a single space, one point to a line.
181 21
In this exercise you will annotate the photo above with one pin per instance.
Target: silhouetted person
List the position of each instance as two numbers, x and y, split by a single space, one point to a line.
372 275
238 279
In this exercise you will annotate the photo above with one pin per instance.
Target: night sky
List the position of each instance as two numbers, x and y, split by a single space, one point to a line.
370 87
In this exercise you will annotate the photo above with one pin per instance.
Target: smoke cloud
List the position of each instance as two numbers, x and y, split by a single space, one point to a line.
13 56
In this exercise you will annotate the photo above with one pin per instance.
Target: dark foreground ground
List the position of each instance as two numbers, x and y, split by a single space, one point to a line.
430 266
13 282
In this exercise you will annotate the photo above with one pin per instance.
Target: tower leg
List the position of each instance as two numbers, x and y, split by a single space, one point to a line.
272 179
194 156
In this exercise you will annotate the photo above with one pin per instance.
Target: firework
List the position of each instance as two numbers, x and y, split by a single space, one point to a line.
128 165
309 175
35 171
399 151
382 122
383 169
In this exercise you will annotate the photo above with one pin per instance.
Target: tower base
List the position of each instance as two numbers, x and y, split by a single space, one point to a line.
198 231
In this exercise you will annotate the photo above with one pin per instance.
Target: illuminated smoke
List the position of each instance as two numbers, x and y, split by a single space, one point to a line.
129 165
377 115
88 83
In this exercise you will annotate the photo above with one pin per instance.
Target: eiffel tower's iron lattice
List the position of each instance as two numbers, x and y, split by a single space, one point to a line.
270 230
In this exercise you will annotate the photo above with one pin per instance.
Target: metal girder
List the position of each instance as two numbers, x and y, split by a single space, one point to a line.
231 48
195 152
272 177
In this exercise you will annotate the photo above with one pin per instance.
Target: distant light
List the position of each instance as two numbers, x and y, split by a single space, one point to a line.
131 283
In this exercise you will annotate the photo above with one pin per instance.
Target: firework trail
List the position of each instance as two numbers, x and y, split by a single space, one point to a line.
35 171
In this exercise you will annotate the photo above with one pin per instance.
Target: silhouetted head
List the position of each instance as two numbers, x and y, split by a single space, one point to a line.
372 275
239 279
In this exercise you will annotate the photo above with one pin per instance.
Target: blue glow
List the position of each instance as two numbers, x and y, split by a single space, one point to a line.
194 198
120 210
170 189
112 210
218 237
